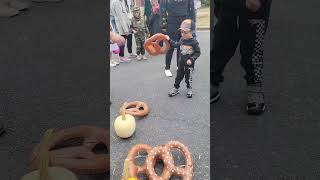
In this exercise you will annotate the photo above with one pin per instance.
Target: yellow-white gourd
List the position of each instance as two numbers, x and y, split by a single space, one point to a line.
125 124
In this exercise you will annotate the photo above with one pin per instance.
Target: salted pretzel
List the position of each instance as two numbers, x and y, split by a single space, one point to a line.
152 45
132 168
163 153
79 159
137 108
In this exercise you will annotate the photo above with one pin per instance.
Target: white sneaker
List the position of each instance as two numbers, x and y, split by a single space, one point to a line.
168 73
144 57
112 64
139 57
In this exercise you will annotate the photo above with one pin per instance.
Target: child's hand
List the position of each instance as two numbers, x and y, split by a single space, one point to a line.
134 31
167 37
189 62
253 5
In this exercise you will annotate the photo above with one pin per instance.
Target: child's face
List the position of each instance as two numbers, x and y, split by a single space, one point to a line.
136 14
186 34
153 2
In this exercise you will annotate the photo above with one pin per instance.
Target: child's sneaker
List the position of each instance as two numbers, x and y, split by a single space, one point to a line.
189 93
256 104
124 59
144 57
173 92
139 57
214 93
168 73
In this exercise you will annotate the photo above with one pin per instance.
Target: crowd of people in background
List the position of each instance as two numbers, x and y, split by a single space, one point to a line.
144 18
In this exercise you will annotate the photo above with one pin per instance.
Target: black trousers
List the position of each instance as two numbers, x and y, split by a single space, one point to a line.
184 71
174 34
237 24
129 45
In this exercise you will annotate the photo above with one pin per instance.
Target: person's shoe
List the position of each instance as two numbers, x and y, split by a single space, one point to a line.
139 57
2 129
168 73
256 104
173 92
124 60
19 5
214 93
47 1
132 55
112 64
189 93
144 57
7 11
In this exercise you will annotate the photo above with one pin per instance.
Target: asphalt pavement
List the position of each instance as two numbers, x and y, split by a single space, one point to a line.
177 118
53 74
284 142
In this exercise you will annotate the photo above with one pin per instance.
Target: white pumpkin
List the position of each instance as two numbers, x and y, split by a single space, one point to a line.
55 173
125 124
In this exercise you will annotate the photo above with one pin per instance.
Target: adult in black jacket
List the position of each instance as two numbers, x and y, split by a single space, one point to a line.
176 11
243 21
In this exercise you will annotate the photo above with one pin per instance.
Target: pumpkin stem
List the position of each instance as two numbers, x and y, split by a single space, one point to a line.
123 111
44 155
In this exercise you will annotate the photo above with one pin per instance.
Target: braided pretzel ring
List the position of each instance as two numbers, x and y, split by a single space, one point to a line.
185 172
159 152
134 108
79 159
134 169
152 45
163 152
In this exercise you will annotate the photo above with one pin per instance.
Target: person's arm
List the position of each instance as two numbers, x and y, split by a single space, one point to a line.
196 53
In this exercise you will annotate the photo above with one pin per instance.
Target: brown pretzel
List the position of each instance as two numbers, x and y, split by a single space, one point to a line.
162 153
186 172
79 159
137 108
134 169
152 45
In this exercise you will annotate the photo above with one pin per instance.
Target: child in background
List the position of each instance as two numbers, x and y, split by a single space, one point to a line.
115 41
189 52
140 30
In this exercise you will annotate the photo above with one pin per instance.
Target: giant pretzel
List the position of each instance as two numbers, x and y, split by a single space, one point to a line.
79 159
137 108
152 45
163 153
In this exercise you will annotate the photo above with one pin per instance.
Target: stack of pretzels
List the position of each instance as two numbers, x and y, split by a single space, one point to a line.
163 153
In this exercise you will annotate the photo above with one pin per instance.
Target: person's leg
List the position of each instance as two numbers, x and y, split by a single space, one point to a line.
223 46
138 44
129 43
121 54
224 43
179 77
188 80
253 27
172 32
